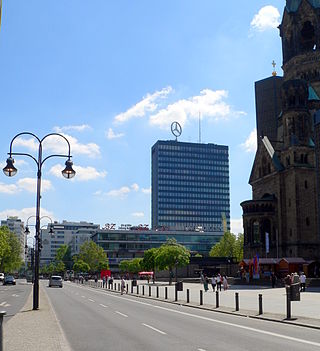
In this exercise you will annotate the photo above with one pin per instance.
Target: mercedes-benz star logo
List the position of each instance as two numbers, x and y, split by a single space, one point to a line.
176 129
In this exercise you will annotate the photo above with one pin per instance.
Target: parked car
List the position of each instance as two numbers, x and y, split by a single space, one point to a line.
9 279
55 280
1 277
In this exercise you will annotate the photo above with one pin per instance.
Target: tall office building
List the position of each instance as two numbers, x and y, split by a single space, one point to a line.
190 186
16 226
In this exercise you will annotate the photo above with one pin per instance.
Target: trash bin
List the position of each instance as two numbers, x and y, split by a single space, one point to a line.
179 286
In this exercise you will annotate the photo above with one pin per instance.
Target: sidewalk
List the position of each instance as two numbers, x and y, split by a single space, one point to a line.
32 330
305 312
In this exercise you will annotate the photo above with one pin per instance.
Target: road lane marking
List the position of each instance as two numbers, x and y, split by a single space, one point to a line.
14 295
153 328
3 303
201 350
259 331
121 314
91 300
101 304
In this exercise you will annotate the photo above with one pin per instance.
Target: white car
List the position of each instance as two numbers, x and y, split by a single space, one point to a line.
55 280
1 277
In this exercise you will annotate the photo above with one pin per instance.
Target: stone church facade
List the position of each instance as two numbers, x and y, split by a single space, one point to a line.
282 219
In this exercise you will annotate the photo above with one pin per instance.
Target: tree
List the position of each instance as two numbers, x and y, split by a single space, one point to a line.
94 256
228 246
10 250
81 266
149 261
124 266
172 255
63 254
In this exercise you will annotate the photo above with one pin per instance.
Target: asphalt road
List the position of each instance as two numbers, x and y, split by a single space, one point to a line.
93 319
14 297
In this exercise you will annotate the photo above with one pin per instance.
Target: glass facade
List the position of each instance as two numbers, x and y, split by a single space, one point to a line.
190 186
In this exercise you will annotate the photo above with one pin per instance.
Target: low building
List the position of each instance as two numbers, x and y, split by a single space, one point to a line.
132 243
16 226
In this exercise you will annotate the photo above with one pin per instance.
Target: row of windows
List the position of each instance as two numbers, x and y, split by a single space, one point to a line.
195 191
199 207
189 155
203 149
215 214
169 166
193 184
190 161
183 202
224 172
182 238
191 195
187 219
223 177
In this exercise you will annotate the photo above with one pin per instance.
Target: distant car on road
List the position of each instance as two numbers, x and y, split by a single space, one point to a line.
1 277
55 280
9 279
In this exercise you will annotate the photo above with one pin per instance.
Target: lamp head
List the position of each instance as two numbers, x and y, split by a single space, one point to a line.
27 231
68 172
10 170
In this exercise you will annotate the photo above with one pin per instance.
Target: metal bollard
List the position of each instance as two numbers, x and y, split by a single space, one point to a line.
119 287
115 286
131 288
157 292
2 313
166 293
237 301
176 294
142 289
201 297
260 304
188 296
137 289
149 290
288 302
217 299
127 290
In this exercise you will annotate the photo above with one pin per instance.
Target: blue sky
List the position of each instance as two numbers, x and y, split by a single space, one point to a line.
112 76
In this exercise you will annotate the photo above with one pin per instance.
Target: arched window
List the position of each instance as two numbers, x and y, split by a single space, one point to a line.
308 41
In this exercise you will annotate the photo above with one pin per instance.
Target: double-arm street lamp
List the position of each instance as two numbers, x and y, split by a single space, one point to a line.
10 170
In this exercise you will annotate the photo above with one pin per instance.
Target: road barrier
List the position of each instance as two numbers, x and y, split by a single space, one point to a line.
217 299
188 296
260 304
237 301
2 313
201 297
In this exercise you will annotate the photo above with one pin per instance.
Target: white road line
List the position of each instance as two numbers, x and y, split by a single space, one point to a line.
101 304
14 295
121 314
153 328
3 303
259 331
201 350
91 300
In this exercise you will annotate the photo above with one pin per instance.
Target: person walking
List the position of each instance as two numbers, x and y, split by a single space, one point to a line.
302 279
123 285
225 283
213 283
206 283
103 281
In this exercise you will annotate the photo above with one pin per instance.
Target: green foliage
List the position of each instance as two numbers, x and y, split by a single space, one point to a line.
63 254
124 266
149 259
170 255
131 266
94 256
228 246
10 251
60 267
81 266
197 255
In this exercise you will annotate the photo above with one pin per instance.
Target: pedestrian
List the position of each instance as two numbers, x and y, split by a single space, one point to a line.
123 285
201 278
206 283
213 283
219 282
103 281
110 282
273 279
302 279
225 283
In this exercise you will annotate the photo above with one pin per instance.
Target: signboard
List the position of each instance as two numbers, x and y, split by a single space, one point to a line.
295 292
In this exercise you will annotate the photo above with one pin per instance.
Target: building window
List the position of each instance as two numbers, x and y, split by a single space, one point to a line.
306 184
307 221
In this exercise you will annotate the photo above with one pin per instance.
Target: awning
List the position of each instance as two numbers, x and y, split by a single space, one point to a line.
145 273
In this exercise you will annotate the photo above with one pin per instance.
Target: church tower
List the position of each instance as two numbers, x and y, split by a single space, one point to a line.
282 218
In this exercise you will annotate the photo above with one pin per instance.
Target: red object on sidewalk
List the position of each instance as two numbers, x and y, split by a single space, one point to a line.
105 273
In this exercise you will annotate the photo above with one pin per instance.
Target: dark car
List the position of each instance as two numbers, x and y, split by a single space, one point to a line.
9 279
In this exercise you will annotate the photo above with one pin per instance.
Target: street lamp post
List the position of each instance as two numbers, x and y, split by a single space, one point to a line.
10 170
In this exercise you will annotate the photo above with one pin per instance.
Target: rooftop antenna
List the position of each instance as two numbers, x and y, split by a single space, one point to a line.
199 128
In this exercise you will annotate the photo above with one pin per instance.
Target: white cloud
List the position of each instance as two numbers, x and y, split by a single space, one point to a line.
30 185
137 214
110 134
121 193
79 128
236 226
58 145
82 173
268 17
25 213
27 184
147 104
250 145
135 187
146 190
209 103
